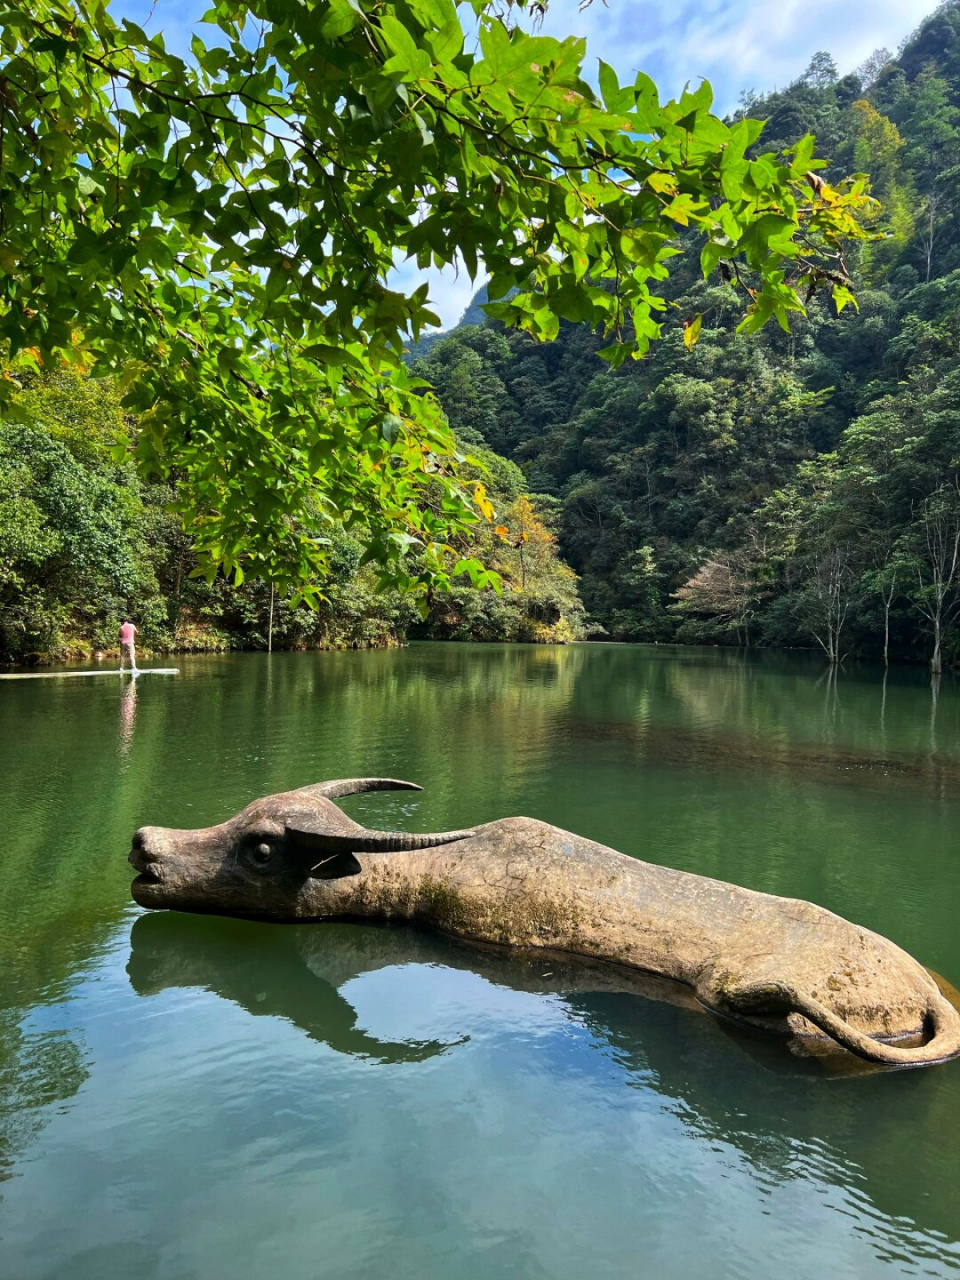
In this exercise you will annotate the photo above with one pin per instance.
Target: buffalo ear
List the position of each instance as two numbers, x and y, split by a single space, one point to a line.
335 866
319 857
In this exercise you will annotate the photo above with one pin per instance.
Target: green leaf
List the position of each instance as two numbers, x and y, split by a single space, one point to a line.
843 297
277 281
328 355
710 256
340 18
391 428
426 136
51 44
88 185
615 98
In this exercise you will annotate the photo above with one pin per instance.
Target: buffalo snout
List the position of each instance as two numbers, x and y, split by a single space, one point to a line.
147 857
170 862
149 847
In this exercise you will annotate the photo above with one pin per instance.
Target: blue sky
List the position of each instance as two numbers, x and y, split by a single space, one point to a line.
735 44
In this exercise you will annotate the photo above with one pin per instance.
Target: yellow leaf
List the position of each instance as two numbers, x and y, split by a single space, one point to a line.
691 332
665 183
483 502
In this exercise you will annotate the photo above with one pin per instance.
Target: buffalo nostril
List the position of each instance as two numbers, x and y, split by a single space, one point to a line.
141 856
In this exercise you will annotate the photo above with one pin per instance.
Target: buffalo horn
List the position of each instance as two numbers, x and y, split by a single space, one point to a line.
398 841
353 786
361 841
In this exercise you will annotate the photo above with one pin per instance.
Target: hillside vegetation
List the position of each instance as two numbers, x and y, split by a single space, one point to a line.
84 543
797 488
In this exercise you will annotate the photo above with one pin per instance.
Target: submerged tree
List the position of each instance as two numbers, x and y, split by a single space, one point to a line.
222 230
830 589
938 564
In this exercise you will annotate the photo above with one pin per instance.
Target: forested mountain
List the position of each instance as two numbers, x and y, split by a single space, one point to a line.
796 488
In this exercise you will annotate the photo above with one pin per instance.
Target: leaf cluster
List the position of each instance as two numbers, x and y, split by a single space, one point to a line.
220 231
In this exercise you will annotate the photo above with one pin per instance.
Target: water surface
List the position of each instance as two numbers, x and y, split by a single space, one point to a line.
194 1097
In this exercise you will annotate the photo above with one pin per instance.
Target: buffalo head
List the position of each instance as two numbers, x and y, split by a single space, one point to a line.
259 862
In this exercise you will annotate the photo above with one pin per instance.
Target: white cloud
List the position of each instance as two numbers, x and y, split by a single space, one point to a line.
450 289
735 44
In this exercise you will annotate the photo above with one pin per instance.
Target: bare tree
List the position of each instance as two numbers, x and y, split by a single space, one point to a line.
938 568
869 70
888 593
588 501
884 581
724 588
830 590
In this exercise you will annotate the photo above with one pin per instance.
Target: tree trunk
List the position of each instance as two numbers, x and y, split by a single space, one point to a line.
176 591
936 660
886 634
934 704
932 235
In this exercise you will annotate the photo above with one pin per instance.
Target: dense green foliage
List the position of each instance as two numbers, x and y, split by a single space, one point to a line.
75 534
220 232
797 488
84 542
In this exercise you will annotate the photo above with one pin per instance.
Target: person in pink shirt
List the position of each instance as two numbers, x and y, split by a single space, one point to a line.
127 633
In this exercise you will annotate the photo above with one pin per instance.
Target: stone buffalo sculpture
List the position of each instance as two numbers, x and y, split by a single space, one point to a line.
778 963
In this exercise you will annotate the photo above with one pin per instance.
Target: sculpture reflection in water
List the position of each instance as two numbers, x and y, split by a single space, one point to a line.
789 1117
274 974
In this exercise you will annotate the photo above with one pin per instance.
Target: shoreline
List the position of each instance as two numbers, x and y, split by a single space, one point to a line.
110 658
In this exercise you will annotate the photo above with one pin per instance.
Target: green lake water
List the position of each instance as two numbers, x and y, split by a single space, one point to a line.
190 1097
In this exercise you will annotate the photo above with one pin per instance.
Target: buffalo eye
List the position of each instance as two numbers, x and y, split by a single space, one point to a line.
261 854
